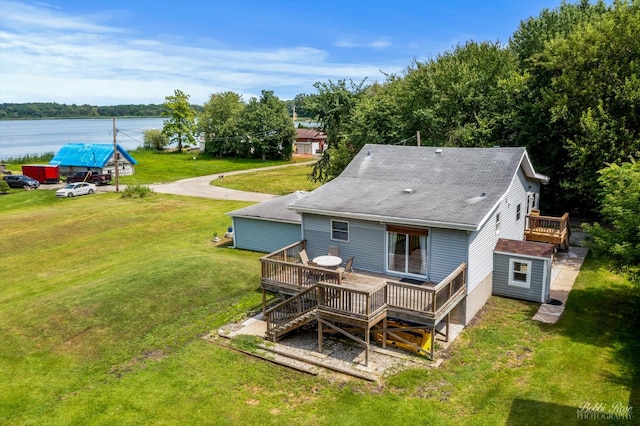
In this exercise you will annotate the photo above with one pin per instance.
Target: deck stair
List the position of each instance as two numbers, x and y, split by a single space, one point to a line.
288 326
292 313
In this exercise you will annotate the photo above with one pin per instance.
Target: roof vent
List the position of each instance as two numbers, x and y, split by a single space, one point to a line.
484 194
439 151
408 190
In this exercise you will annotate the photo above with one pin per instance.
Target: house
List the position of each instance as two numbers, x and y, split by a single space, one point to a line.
422 225
267 226
309 142
78 157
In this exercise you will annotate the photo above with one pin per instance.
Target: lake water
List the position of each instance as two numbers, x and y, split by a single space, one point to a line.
22 137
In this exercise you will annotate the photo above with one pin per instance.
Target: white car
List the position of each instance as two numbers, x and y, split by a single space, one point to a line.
75 189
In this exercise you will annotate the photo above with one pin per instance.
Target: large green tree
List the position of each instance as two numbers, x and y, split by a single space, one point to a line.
268 129
333 107
180 125
220 123
589 101
619 238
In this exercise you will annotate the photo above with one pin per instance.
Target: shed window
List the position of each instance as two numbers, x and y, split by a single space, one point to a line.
520 273
339 230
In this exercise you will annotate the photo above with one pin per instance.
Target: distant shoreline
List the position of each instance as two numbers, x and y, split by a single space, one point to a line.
77 118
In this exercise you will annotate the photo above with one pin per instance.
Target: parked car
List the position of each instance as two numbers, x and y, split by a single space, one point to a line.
75 189
21 181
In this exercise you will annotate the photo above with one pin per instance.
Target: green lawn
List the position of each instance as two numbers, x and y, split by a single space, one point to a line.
103 301
155 167
280 181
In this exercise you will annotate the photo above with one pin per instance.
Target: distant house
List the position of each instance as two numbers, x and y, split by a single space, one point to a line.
309 142
78 157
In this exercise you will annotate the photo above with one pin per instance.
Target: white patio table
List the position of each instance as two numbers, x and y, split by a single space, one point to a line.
328 261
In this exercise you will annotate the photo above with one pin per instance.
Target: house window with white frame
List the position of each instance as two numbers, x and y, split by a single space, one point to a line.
497 223
520 273
518 212
340 230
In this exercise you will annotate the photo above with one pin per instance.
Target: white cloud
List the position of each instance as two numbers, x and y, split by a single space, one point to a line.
49 55
381 43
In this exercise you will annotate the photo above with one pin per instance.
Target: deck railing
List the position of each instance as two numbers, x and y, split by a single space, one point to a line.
360 304
291 308
547 229
282 268
431 301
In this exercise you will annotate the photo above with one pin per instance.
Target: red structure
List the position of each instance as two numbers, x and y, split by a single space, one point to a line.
43 173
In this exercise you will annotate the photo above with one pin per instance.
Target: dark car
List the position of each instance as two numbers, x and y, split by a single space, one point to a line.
21 181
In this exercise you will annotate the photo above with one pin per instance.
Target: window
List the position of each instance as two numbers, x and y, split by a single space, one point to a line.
407 250
518 208
339 230
497 223
519 273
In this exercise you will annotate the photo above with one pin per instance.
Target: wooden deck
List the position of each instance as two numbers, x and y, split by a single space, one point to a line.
548 229
357 300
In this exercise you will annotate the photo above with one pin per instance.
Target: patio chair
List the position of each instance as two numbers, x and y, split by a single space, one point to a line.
348 267
303 257
333 251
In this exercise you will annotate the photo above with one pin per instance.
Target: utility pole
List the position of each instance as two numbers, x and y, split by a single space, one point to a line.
115 155
418 137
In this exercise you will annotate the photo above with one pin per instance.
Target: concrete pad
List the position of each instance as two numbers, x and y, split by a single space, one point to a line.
252 328
564 271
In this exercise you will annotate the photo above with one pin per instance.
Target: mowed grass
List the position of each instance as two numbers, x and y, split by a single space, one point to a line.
157 167
103 302
280 181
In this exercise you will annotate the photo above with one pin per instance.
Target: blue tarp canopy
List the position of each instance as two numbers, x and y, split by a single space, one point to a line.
87 155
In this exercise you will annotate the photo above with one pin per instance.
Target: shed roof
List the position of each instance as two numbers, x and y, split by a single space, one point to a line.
88 155
421 186
275 209
527 248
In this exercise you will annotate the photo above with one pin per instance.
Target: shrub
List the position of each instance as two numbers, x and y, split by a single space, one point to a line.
4 186
136 191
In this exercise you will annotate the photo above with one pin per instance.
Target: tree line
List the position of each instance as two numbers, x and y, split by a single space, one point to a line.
31 110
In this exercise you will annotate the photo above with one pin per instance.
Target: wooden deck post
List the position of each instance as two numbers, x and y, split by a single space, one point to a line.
448 322
384 333
264 302
367 339
319 333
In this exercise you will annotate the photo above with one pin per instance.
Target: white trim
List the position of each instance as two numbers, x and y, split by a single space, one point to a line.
527 256
546 287
331 230
517 283
389 219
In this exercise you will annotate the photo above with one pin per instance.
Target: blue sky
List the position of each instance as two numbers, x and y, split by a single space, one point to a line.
139 51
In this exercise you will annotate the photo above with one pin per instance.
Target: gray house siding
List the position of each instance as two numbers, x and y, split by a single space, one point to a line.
481 244
366 241
264 235
537 291
512 227
447 250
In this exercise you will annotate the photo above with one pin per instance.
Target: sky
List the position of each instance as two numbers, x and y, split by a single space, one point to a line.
139 51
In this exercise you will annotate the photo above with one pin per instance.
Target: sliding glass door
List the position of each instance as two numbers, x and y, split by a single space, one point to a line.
407 250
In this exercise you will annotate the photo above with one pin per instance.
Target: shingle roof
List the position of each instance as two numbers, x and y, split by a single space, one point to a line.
529 248
310 134
87 155
446 187
275 209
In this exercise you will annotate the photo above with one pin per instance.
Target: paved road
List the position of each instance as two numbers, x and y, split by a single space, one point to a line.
200 186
